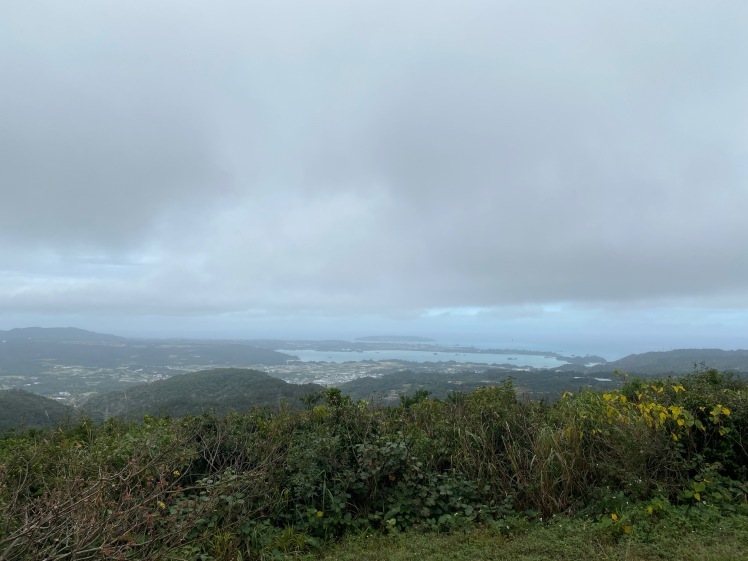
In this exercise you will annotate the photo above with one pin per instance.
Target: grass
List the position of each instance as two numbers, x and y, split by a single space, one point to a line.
561 539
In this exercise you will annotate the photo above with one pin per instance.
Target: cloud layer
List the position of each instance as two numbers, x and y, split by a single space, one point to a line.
387 158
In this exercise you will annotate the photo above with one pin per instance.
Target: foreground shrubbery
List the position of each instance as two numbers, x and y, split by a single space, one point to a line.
270 483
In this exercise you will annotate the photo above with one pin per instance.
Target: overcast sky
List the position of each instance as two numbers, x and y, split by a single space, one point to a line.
539 172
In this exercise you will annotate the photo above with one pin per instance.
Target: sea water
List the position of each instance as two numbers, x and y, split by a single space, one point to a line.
515 359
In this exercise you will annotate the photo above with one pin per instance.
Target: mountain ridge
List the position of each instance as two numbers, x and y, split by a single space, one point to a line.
676 361
56 334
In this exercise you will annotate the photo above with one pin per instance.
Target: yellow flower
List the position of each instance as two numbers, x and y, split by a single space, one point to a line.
161 505
627 529
176 473
725 411
614 516
320 514
650 510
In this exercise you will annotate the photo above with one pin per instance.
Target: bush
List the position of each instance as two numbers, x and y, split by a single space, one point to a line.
280 482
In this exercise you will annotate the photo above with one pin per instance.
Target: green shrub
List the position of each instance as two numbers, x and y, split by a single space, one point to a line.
274 482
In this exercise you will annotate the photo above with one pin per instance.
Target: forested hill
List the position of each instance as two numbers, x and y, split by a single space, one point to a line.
219 390
538 384
680 361
19 409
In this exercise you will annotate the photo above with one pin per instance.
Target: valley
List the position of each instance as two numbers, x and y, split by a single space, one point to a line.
74 366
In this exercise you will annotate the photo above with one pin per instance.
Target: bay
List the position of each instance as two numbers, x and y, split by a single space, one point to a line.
516 359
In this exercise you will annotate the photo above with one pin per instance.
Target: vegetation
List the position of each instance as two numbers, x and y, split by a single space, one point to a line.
536 384
669 362
620 468
218 391
19 408
562 538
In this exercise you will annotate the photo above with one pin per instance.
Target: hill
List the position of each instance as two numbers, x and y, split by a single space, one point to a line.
677 361
19 408
56 334
218 390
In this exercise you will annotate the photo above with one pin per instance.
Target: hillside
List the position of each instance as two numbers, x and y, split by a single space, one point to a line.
219 390
56 334
536 384
676 361
19 408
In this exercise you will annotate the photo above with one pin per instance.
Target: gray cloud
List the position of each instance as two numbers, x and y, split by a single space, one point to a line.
388 158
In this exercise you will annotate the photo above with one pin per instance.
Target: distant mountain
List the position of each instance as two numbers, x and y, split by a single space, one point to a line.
535 384
680 361
395 339
21 409
56 334
218 390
